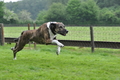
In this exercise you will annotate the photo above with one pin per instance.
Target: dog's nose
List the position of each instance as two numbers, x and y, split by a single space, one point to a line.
67 31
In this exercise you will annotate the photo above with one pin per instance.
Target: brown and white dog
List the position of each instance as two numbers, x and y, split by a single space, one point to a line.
45 34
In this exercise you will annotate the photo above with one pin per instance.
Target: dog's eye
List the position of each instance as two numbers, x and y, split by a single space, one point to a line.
60 27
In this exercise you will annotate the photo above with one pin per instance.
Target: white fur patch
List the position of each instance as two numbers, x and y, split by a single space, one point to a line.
14 58
58 43
52 36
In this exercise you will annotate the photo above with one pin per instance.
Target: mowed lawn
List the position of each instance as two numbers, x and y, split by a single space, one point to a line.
73 63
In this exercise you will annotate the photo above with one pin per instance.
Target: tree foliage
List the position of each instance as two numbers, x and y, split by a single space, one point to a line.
89 11
107 3
1 11
75 12
32 6
24 16
41 17
10 16
82 12
56 12
109 16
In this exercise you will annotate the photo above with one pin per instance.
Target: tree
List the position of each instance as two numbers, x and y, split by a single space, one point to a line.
24 16
117 12
89 12
1 11
73 11
84 12
107 3
56 12
10 16
32 6
108 16
41 17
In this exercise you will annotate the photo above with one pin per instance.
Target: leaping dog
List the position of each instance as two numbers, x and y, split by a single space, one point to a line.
45 34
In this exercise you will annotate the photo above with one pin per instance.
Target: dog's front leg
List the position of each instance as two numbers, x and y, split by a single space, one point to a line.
58 50
59 46
58 43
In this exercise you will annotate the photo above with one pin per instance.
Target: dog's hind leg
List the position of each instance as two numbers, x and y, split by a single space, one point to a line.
21 42
18 47
14 53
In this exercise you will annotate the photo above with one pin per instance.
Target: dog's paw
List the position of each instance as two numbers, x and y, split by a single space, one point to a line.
60 45
14 58
57 53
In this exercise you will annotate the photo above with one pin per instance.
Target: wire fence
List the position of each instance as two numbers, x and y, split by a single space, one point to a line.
82 36
101 33
110 33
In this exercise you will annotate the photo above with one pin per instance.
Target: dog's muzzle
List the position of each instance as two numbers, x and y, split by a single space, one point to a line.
63 32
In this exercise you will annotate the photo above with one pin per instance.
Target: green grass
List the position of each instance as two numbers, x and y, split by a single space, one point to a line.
13 31
76 33
73 63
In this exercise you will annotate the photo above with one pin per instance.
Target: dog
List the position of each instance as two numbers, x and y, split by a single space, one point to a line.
45 34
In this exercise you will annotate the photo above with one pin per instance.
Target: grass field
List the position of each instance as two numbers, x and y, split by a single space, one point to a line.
76 33
73 63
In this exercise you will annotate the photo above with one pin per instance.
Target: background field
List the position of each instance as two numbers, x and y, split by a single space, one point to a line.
101 33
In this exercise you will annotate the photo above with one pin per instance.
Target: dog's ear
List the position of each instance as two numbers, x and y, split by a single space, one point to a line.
53 24
52 27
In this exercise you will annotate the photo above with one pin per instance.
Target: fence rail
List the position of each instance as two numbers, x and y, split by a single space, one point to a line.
98 44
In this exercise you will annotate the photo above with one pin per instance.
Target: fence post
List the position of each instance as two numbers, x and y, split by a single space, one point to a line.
28 26
92 39
34 25
2 40
29 29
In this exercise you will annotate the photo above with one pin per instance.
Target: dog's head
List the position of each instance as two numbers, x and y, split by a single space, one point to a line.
58 28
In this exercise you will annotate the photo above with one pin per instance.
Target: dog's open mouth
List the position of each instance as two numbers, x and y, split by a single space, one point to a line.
63 34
